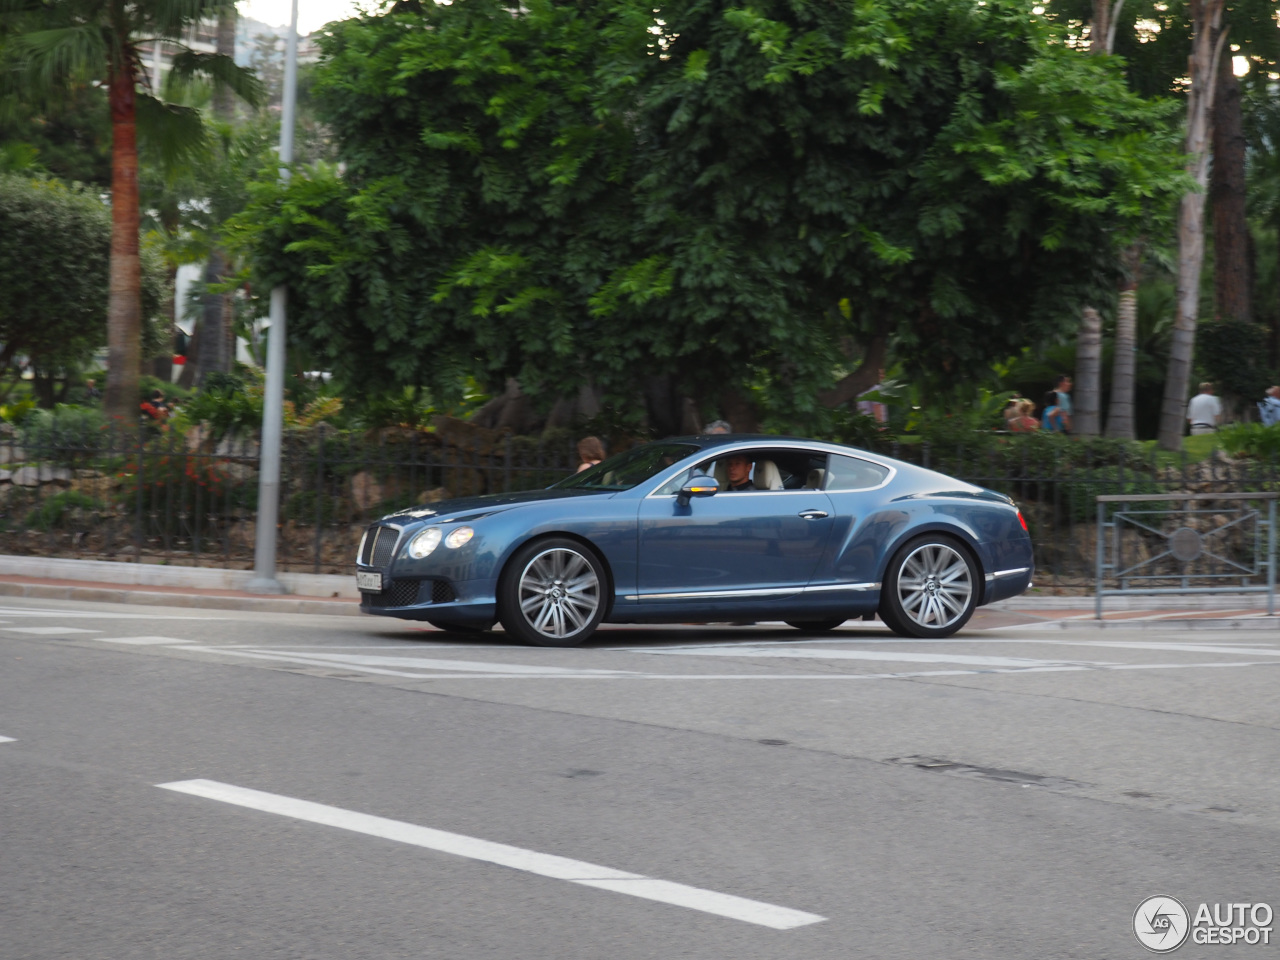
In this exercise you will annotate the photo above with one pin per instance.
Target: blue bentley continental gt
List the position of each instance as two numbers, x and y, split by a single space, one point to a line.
807 532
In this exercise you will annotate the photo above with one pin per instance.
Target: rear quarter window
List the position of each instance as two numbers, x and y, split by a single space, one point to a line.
851 473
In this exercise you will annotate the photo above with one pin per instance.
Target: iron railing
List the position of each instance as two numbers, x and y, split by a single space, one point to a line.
165 498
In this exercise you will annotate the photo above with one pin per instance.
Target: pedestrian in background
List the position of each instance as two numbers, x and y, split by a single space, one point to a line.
1204 411
717 427
590 452
1269 407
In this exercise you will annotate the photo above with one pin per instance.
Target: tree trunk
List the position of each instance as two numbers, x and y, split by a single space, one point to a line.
861 380
124 300
224 103
218 353
1120 414
1232 266
1207 42
1087 418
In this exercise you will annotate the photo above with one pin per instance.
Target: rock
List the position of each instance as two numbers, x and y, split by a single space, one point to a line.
34 476
233 446
468 438
6 476
434 496
366 491
12 454
237 472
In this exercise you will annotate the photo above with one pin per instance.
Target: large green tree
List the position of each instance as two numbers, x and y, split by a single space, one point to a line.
707 195
69 43
55 241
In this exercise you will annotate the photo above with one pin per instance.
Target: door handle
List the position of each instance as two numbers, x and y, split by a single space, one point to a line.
813 514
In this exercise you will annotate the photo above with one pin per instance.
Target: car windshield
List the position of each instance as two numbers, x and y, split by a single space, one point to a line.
625 470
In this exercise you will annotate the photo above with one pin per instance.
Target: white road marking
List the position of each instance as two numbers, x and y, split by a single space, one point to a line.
48 631
425 663
516 858
803 653
96 615
142 641
7 740
1249 651
502 672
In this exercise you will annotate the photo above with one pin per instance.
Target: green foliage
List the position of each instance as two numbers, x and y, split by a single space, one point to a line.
57 511
227 406
17 411
1233 354
1251 440
54 242
538 194
65 432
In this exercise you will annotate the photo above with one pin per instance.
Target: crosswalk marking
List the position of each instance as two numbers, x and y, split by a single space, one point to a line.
515 858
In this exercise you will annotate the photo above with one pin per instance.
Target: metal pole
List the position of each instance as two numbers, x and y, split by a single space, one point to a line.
264 564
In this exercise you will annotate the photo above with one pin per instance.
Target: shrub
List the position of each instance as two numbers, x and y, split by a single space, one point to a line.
65 433
1251 440
53 512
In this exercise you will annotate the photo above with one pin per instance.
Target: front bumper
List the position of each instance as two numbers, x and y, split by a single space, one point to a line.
432 598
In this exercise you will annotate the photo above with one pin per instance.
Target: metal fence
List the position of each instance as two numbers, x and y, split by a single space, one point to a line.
165 498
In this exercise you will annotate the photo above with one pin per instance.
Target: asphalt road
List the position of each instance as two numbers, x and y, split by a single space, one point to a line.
190 784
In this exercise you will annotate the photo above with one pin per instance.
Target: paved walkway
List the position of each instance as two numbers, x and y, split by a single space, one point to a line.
182 590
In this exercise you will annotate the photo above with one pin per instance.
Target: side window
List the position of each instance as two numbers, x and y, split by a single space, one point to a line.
850 473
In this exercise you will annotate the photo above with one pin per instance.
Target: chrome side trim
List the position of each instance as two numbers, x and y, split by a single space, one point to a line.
754 592
1010 573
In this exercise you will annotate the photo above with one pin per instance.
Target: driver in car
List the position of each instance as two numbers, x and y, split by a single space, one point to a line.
738 472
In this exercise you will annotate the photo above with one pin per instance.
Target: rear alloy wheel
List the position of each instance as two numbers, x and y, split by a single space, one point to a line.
816 626
930 588
552 593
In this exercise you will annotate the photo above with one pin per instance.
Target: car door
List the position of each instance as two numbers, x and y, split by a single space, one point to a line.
862 522
761 544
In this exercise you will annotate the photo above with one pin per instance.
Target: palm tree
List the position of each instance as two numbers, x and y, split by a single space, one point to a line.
75 41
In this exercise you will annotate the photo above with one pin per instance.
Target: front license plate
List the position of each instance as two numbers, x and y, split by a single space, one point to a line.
369 582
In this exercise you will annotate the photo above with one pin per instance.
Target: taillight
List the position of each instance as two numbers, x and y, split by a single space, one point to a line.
1023 520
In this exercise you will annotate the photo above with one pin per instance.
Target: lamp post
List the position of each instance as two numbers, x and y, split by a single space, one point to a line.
264 562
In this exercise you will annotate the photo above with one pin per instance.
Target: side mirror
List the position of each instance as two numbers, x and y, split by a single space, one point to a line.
697 486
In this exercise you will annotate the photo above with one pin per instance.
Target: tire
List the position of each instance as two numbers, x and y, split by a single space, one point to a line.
552 593
931 587
816 626
450 627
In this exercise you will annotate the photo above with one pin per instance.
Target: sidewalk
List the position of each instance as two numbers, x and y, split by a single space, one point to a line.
218 589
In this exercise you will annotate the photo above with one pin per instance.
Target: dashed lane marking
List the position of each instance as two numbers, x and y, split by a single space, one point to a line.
7 740
142 641
516 858
48 631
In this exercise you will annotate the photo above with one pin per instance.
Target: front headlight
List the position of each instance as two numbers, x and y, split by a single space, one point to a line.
422 545
458 537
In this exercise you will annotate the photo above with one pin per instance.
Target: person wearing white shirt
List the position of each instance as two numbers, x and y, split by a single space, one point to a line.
1204 412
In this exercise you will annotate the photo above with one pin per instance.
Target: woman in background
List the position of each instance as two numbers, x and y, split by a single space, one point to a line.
590 452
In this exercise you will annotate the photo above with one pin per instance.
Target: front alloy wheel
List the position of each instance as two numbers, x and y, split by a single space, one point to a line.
552 594
931 588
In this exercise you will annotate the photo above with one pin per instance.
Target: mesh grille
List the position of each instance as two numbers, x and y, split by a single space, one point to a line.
406 593
379 546
398 593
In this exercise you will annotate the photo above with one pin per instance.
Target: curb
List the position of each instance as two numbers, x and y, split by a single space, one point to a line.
103 593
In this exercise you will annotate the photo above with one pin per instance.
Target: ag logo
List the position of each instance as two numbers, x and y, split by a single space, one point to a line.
1161 924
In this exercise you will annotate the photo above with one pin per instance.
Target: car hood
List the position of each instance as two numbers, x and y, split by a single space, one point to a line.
464 508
